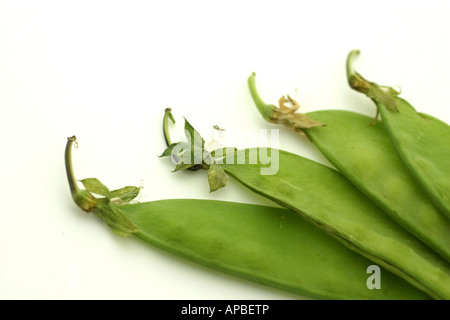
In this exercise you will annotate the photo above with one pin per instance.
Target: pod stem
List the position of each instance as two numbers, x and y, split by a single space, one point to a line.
355 80
167 115
82 198
378 94
74 189
285 114
266 110
351 73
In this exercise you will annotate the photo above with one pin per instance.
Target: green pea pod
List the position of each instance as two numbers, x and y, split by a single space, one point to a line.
420 139
326 198
267 245
365 155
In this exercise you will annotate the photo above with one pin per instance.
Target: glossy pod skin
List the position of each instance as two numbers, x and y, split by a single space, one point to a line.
365 155
327 199
267 245
421 140
271 246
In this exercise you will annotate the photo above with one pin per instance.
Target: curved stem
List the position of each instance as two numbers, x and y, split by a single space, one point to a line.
82 198
167 115
69 168
265 109
356 81
351 73
379 94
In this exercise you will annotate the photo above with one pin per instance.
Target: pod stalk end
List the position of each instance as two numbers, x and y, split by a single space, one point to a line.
106 207
285 114
378 94
167 115
82 198
266 110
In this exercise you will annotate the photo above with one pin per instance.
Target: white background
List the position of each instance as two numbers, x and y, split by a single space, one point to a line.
106 70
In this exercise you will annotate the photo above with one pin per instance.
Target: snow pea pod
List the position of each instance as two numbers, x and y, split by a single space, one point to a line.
326 198
420 139
365 155
267 245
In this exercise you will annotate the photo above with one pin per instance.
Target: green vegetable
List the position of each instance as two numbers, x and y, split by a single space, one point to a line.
420 139
326 198
365 155
271 246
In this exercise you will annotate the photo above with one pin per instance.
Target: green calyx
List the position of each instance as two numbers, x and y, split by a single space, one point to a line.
285 114
106 205
379 94
217 177
192 155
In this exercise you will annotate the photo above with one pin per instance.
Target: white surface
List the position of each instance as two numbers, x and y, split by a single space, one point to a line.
105 71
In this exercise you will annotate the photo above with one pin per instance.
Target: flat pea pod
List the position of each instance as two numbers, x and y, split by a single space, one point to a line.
366 156
420 139
326 198
267 245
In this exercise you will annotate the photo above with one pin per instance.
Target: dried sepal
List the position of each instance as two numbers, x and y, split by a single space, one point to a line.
286 115
379 94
